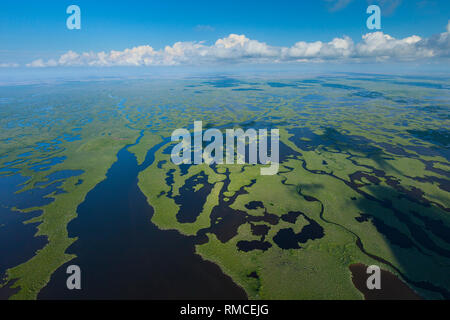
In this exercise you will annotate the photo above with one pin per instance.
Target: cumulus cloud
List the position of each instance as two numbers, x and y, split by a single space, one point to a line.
383 47
440 44
338 48
375 46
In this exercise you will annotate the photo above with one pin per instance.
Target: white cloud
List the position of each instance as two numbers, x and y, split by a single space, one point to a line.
338 48
9 65
378 44
375 46
440 44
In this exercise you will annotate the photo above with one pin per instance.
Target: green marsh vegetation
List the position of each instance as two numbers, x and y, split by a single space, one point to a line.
366 160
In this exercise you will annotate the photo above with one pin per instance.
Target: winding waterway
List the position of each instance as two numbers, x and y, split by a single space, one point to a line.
123 255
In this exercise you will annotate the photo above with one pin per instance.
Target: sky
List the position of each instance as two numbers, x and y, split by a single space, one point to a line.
34 34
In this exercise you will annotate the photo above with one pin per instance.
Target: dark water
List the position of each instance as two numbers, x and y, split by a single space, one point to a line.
287 239
247 246
17 241
254 205
247 89
281 85
191 201
6 291
122 255
392 288
224 82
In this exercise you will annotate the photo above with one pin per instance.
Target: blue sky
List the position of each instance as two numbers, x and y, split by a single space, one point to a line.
31 30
